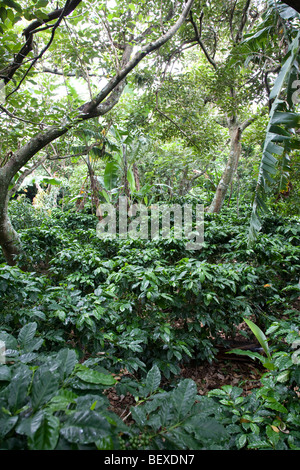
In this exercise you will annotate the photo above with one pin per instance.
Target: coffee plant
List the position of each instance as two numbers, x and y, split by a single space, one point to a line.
77 311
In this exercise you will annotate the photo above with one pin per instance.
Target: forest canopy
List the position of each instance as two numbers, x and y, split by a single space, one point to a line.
136 114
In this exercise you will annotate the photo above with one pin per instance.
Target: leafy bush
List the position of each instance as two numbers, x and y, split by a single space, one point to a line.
51 401
268 418
148 307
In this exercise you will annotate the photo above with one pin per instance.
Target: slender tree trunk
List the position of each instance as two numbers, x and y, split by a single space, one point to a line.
9 239
95 186
136 177
230 169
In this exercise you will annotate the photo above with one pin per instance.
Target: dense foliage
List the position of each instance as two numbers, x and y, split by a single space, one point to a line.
102 307
166 103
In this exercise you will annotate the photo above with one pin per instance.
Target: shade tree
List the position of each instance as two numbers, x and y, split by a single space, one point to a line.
126 48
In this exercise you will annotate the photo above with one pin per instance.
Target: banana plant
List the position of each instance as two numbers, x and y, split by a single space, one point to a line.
119 170
283 120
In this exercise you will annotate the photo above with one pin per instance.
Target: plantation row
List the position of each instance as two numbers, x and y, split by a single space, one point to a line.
85 309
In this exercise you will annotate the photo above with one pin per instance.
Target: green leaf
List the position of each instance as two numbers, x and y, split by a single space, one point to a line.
111 175
18 388
241 441
204 428
183 397
139 415
287 119
106 443
131 179
52 181
180 439
44 387
3 14
243 352
261 338
68 360
281 78
283 376
26 335
153 380
273 436
95 377
85 427
273 404
6 425
9 340
5 373
13 4
47 434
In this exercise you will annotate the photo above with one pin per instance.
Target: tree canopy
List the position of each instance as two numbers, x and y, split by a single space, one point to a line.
149 226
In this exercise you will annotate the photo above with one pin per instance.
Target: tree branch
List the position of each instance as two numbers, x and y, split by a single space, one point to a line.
94 108
13 116
250 121
25 173
7 73
243 21
79 154
201 43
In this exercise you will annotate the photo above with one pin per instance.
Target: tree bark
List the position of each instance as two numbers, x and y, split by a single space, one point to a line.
230 169
9 238
106 99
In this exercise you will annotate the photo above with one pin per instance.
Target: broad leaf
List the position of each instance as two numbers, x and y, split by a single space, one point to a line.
26 335
95 377
68 360
18 388
47 434
44 387
260 336
184 397
85 427
153 380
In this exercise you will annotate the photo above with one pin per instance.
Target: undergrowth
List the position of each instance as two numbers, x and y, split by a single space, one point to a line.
77 311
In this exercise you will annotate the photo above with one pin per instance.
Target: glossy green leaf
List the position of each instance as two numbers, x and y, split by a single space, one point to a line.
44 387
184 397
47 434
85 427
95 377
153 380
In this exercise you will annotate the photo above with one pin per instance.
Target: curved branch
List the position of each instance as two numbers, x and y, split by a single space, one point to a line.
201 43
97 107
8 73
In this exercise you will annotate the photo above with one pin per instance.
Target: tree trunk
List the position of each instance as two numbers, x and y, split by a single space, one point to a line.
136 177
9 239
229 172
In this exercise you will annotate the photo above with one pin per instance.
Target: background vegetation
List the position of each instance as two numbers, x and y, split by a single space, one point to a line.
164 102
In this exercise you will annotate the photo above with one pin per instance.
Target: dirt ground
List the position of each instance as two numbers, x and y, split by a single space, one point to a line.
241 372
